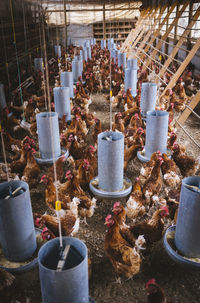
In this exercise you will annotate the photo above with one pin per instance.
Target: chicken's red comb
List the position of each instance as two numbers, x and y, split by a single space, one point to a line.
116 204
45 229
44 177
137 179
108 217
165 209
92 148
150 282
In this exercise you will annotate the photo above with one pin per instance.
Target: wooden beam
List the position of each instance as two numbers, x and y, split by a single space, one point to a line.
104 22
182 66
185 114
164 37
133 34
90 10
180 42
143 30
157 32
65 27
147 36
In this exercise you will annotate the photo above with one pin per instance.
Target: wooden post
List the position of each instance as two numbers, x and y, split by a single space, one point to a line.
180 42
185 114
182 66
65 26
157 32
190 18
164 37
104 22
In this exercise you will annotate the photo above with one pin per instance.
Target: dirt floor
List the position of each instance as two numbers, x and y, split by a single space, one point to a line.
180 284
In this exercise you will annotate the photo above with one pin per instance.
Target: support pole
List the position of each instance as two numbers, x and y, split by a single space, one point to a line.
65 27
104 22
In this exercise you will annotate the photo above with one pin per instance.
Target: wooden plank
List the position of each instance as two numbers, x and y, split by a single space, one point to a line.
104 22
168 31
182 66
185 114
143 31
147 36
180 42
157 32
133 34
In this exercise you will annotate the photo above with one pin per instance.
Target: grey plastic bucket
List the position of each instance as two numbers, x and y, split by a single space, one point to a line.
85 56
132 63
48 136
2 97
148 97
156 132
66 79
187 235
89 55
17 232
131 80
77 67
38 64
62 102
57 49
68 285
111 161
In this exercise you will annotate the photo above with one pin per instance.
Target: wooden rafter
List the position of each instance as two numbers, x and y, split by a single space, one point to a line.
133 34
182 66
185 114
147 36
168 31
180 42
157 32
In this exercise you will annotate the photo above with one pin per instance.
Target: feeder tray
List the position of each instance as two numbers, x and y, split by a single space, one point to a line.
172 251
41 161
125 191
25 124
141 155
90 300
22 266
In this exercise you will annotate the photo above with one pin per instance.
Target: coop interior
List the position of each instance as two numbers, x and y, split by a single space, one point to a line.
99 163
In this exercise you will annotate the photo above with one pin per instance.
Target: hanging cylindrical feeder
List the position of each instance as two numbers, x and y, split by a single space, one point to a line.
62 102
17 232
148 97
187 239
69 284
111 166
2 97
66 79
38 64
131 80
122 60
94 41
85 56
116 52
156 134
89 55
48 135
57 49
77 67
103 44
132 63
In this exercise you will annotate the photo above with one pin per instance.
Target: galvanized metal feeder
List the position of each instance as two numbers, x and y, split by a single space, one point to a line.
110 182
69 282
17 232
148 98
62 102
48 137
156 134
66 79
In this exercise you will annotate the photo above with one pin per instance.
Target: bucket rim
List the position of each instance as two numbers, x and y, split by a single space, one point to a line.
57 240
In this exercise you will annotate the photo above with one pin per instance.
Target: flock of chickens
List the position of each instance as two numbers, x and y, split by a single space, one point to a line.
156 190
